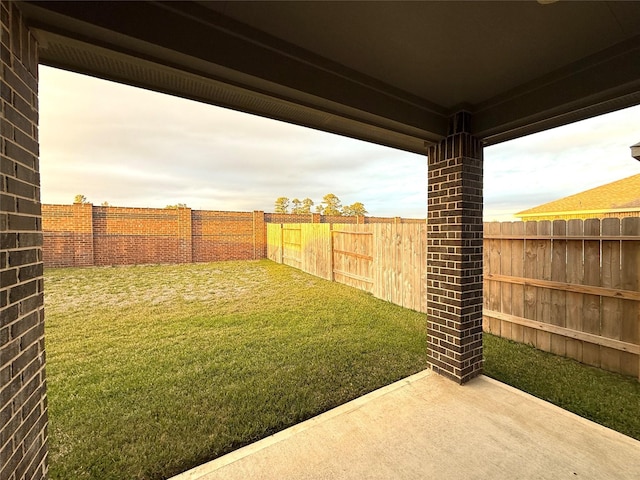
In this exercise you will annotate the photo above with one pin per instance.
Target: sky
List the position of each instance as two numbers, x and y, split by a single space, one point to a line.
135 148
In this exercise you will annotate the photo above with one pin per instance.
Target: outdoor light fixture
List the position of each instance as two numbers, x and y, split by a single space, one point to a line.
635 151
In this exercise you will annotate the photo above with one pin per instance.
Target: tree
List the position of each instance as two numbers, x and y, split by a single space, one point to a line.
105 204
301 206
354 210
176 206
307 203
282 205
330 205
81 199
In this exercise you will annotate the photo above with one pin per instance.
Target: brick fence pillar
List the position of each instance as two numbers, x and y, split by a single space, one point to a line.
23 404
315 218
185 236
454 253
83 235
259 235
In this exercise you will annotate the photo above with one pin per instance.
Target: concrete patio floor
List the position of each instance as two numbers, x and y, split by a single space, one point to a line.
427 427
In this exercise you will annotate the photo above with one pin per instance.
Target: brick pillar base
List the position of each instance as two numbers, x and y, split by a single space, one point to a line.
454 254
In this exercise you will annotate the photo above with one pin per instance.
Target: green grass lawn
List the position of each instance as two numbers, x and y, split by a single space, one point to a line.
152 370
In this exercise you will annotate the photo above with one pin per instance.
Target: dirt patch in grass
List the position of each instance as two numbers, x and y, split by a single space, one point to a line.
148 285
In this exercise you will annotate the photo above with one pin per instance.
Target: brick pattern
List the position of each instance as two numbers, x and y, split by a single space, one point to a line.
82 235
68 235
83 220
128 236
185 236
23 402
225 236
259 235
454 255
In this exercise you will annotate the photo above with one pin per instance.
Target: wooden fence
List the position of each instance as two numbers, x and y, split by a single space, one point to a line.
387 260
568 287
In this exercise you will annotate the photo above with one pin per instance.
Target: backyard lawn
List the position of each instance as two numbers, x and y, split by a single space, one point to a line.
152 370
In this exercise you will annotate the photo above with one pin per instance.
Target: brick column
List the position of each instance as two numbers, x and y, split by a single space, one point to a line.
259 235
454 254
83 234
23 403
185 236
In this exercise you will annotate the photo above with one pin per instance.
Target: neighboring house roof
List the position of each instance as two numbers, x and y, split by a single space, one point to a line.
621 196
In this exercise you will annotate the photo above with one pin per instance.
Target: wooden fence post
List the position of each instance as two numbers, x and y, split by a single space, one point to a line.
281 243
331 275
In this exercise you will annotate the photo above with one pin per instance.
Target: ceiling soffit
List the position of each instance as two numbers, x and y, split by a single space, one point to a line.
196 51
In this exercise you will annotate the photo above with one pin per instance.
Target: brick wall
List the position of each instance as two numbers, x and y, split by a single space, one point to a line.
129 236
83 235
69 234
225 236
23 402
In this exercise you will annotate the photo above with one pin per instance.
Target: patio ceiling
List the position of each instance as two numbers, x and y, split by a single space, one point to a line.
387 72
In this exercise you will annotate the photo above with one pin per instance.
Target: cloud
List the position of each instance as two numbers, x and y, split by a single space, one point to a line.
133 147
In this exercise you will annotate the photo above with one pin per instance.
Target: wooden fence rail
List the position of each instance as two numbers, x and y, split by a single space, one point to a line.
387 260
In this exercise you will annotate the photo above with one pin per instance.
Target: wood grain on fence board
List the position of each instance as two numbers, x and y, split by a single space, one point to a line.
543 312
591 303
575 275
558 297
491 256
611 320
506 228
517 270
530 292
292 245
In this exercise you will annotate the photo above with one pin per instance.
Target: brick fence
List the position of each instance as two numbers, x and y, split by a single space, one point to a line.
81 235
